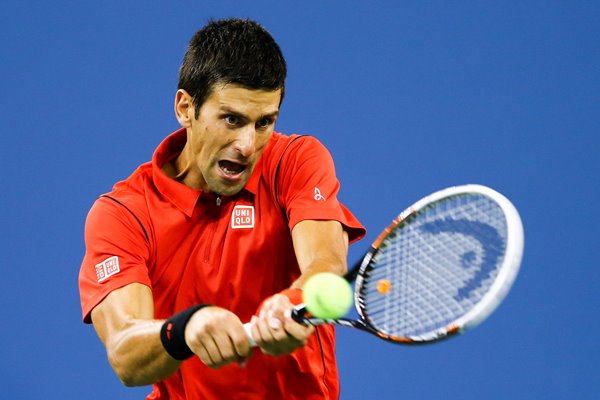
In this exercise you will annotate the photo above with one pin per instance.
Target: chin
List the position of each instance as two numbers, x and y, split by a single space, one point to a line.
223 190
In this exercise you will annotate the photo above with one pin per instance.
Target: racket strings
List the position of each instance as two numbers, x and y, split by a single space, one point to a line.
439 264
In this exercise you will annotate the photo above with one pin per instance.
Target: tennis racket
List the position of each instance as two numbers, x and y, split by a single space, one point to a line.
440 268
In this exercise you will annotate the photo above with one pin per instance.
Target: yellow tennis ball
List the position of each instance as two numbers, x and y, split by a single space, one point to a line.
327 296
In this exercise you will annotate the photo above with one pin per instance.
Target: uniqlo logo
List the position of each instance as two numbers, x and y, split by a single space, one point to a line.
107 268
242 217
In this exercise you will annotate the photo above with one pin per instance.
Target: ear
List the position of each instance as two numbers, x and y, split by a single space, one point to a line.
184 108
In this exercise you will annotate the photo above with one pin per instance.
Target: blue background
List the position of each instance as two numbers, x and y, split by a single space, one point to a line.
410 97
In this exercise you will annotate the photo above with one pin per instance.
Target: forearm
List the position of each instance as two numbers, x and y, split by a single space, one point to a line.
125 324
337 267
138 356
320 246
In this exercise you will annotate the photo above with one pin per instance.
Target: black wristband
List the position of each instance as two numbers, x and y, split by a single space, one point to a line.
172 333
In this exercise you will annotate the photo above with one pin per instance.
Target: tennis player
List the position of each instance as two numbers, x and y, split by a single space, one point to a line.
222 227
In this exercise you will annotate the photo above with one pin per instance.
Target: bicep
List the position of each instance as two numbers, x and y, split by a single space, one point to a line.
117 254
121 308
320 246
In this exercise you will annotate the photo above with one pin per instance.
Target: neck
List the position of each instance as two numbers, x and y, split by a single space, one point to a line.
181 169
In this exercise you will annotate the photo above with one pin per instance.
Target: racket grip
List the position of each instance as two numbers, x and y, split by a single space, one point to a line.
299 314
248 329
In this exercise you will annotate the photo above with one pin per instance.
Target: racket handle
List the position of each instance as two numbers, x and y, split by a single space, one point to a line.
248 329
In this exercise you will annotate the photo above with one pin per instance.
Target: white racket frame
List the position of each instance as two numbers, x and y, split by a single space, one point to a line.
506 274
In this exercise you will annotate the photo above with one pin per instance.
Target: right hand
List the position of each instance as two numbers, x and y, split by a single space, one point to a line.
217 336
274 331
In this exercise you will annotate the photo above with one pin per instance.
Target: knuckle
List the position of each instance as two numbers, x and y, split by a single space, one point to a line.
239 343
207 361
280 336
227 354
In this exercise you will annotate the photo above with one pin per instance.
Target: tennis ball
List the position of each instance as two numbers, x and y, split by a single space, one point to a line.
327 296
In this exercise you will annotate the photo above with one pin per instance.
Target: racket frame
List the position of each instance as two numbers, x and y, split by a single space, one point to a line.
488 303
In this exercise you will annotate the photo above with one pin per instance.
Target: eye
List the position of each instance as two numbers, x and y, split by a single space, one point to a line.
264 123
232 120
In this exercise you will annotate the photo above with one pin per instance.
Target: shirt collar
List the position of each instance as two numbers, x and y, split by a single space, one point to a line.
182 196
252 184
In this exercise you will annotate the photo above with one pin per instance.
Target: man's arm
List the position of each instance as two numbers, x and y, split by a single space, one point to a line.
320 246
125 323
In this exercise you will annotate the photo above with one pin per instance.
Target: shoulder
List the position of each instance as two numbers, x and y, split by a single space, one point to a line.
307 148
135 184
306 154
126 203
290 149
281 141
133 192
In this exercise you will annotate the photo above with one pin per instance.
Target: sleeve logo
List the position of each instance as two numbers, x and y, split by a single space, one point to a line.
242 217
107 268
318 195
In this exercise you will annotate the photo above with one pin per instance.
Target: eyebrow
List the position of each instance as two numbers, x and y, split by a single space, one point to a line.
227 110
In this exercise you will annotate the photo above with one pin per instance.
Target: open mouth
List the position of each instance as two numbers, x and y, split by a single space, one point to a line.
232 168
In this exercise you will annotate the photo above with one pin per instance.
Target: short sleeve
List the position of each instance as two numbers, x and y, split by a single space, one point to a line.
307 187
116 253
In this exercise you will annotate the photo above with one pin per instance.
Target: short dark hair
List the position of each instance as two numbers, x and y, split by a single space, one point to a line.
231 51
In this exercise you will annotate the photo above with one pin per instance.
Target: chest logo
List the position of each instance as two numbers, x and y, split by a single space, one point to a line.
242 217
107 268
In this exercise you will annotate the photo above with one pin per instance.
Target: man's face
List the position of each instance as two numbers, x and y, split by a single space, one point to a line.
229 135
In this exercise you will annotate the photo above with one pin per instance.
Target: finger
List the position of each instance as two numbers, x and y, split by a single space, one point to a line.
298 331
240 342
231 343
214 356
263 333
275 319
274 311
225 347
273 341
274 325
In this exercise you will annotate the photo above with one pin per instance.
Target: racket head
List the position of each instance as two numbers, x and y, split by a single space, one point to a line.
441 267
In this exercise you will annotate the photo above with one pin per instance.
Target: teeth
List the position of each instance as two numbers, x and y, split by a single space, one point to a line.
229 172
237 168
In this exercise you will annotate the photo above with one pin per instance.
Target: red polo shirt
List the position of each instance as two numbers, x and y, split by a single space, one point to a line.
191 247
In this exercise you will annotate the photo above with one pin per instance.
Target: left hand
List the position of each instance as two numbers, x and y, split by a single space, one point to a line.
274 331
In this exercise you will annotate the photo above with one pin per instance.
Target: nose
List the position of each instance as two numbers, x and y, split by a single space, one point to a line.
245 141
